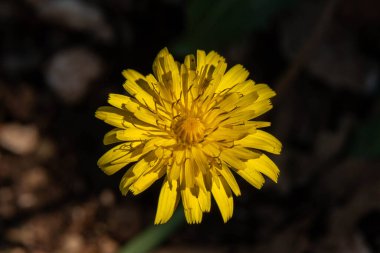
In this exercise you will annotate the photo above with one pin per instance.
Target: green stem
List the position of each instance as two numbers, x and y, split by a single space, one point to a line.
154 235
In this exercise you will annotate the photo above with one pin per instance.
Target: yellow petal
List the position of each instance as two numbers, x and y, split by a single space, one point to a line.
163 153
158 141
118 157
229 101
167 201
264 92
193 212
238 116
247 87
235 75
247 100
210 69
188 175
237 156
230 179
174 171
113 116
243 114
204 200
265 166
161 92
211 149
201 60
200 159
258 124
214 58
223 197
185 83
148 178
133 86
200 180
259 108
252 176
244 88
135 134
176 165
204 80
190 63
122 118
112 168
231 160
261 140
110 137
136 171
212 117
167 72
229 133
130 104
217 75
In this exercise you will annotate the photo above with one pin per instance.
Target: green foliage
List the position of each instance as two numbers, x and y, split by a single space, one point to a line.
212 24
150 238
367 139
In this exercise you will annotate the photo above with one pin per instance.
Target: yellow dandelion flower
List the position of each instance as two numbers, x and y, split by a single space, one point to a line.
190 123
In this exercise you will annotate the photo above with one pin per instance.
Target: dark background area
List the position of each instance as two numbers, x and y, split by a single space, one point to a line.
59 59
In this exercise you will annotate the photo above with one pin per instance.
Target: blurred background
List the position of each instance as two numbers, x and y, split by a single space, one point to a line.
59 59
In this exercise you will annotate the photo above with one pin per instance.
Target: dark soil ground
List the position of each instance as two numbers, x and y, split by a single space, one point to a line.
60 59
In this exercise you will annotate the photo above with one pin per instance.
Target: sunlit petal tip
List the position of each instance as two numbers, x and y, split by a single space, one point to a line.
275 179
163 52
124 191
134 190
99 113
195 125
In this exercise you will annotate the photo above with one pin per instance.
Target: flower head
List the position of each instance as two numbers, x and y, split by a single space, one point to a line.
191 123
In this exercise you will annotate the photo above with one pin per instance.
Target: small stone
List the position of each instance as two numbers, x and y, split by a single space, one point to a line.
124 221
107 198
71 71
75 14
35 189
35 178
7 207
37 233
21 101
26 200
72 243
17 250
19 139
107 245
46 150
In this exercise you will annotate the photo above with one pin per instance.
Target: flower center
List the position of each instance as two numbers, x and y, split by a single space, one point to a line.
190 130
